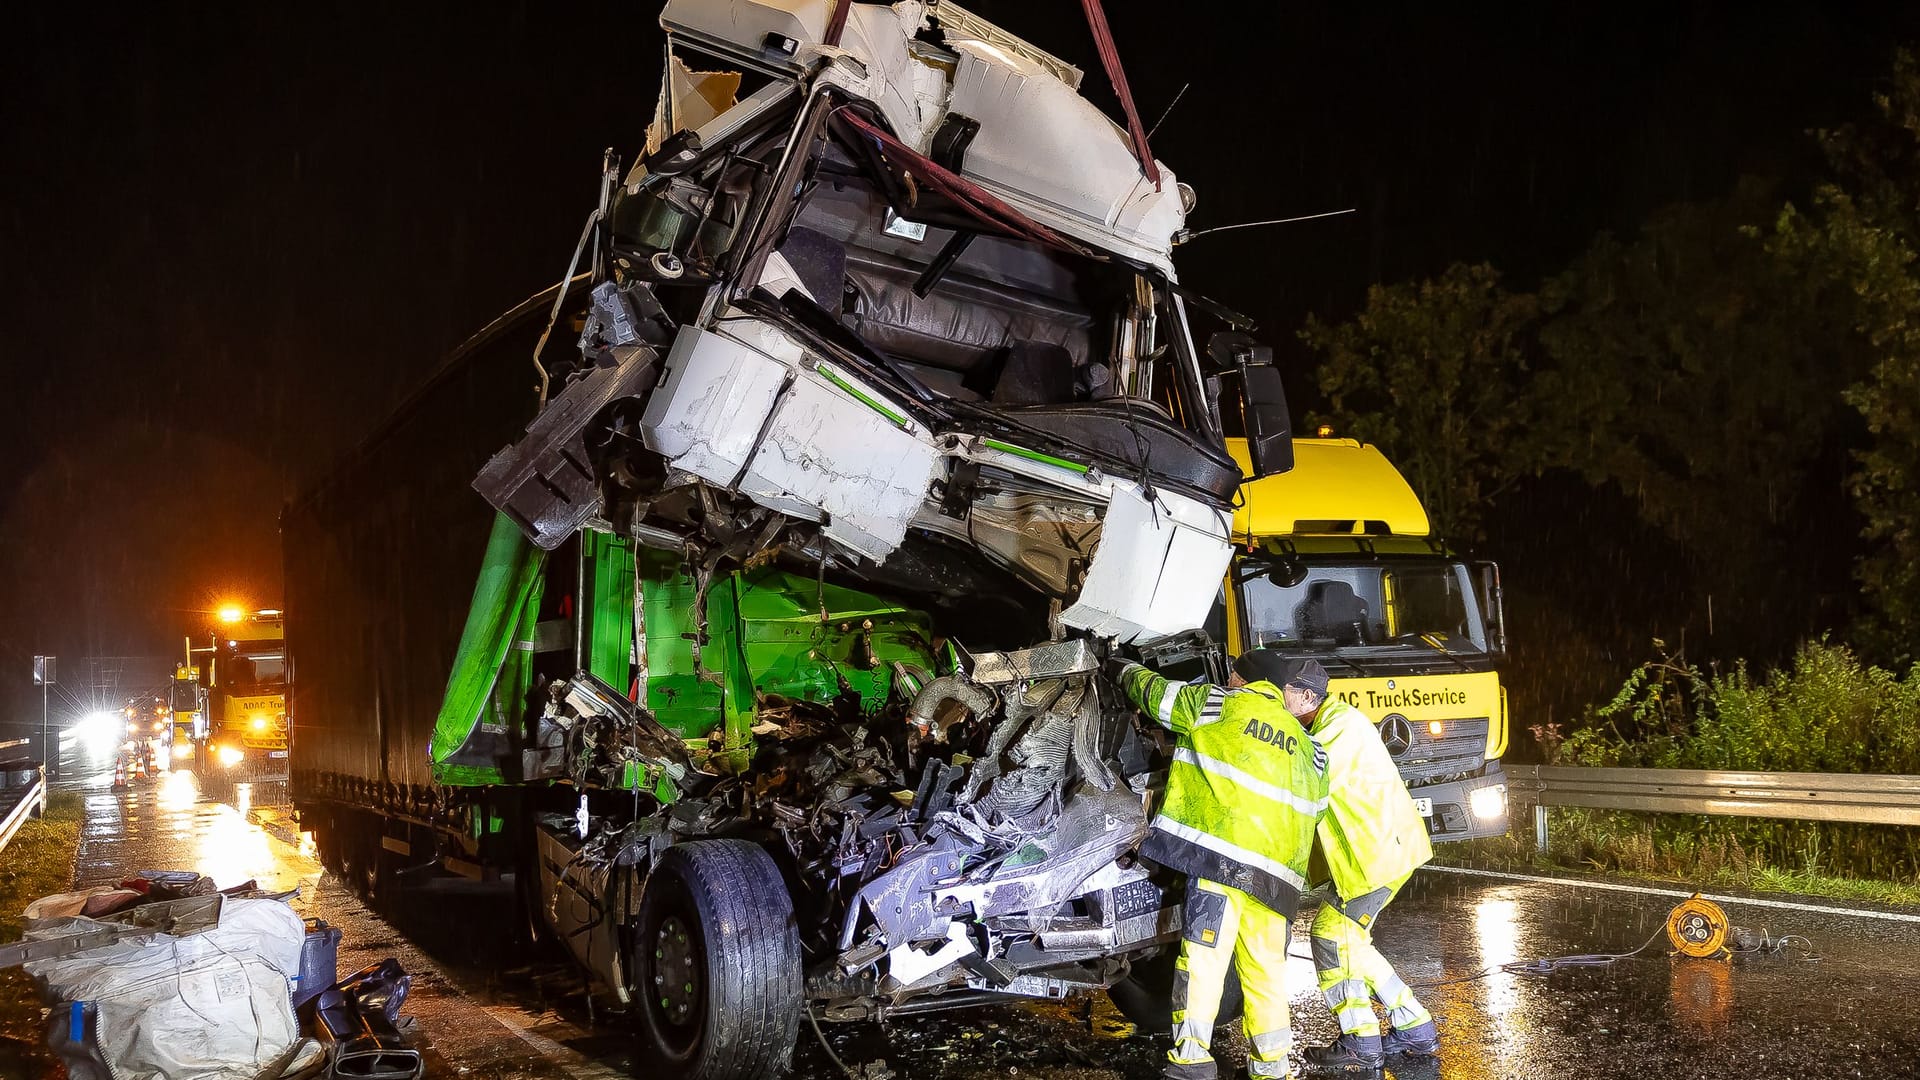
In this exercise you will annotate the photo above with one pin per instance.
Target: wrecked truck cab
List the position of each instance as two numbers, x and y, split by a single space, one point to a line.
807 318
886 425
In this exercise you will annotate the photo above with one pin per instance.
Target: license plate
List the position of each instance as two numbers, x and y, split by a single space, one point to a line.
1425 806
283 753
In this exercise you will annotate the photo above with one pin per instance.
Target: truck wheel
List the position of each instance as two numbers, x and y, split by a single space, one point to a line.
359 859
326 842
717 963
1145 996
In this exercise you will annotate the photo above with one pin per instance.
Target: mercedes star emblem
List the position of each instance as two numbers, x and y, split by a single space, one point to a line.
1396 733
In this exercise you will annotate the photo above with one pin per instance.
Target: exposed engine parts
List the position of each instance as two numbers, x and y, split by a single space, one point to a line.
971 838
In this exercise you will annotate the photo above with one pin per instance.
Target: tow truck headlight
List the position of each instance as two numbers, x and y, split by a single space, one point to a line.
259 723
231 756
1488 803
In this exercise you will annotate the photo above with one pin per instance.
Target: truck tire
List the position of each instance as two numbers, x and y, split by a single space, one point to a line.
326 843
360 859
1145 996
717 963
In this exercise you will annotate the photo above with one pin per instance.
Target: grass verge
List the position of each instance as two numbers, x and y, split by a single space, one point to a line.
38 861
1639 846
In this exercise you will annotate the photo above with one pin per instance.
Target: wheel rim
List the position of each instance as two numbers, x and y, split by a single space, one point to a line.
676 973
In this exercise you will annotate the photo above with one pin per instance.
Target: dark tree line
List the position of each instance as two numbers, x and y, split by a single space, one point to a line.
1743 373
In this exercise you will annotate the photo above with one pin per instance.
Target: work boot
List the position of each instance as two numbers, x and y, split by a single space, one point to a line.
1192 1070
1418 1039
1349 1054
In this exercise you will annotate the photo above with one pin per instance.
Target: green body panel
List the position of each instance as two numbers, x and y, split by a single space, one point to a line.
766 639
676 694
721 659
490 677
793 653
769 637
609 565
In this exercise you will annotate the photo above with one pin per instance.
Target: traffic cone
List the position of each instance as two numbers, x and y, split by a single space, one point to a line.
120 773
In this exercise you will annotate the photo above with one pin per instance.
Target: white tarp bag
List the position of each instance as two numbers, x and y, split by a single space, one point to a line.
211 1005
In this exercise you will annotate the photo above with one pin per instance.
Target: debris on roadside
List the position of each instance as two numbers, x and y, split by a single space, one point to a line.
358 1021
164 976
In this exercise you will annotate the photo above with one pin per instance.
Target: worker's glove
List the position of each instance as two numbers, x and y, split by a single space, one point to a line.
1117 666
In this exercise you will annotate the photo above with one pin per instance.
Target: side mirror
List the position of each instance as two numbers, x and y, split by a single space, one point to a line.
1269 425
1263 400
1493 606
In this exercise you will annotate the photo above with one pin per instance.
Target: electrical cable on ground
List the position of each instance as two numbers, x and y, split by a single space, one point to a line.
824 1045
1549 965
1682 933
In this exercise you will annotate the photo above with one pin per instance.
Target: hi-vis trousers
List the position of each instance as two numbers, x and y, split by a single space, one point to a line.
1352 971
1226 926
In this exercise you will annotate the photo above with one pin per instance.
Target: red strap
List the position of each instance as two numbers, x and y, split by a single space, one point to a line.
838 23
977 200
1110 59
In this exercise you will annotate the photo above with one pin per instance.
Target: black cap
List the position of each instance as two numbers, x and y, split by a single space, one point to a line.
1263 665
1266 665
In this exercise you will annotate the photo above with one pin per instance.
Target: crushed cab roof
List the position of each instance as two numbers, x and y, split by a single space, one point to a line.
1041 146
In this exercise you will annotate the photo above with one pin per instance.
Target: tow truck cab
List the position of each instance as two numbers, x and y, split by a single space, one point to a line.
187 704
1336 561
249 688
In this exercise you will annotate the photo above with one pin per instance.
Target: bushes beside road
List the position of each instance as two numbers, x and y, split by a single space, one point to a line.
37 862
1827 711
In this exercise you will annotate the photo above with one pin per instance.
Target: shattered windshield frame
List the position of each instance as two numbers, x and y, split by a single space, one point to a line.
1029 320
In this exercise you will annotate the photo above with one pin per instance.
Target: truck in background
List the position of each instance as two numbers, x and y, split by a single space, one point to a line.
1338 563
191 715
247 690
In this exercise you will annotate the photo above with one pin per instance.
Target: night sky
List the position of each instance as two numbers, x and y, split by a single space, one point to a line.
232 237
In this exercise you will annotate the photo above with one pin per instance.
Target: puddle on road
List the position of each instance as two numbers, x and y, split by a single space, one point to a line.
180 821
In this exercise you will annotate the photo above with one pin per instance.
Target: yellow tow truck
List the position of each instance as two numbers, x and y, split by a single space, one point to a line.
1337 562
191 719
247 688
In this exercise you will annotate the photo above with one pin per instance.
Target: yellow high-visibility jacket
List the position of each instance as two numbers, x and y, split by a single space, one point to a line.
1371 834
1243 791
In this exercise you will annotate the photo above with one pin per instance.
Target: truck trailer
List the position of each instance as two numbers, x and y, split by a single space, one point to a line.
881 426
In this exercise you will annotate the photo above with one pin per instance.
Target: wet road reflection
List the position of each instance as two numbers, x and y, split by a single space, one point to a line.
176 821
491 1010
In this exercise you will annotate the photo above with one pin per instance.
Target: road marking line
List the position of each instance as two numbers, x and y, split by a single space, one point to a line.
1647 890
574 1062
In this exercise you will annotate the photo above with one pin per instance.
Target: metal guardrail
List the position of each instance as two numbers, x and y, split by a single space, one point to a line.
33 802
1871 799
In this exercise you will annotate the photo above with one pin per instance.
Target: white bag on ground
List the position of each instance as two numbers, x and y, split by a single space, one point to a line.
210 1006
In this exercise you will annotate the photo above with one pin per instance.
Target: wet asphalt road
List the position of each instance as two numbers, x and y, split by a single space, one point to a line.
484 1012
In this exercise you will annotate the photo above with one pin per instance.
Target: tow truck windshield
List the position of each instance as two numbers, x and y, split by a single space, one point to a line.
1372 609
256 673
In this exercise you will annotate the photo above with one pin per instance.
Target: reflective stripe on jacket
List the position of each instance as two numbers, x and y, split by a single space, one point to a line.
1371 834
1244 789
